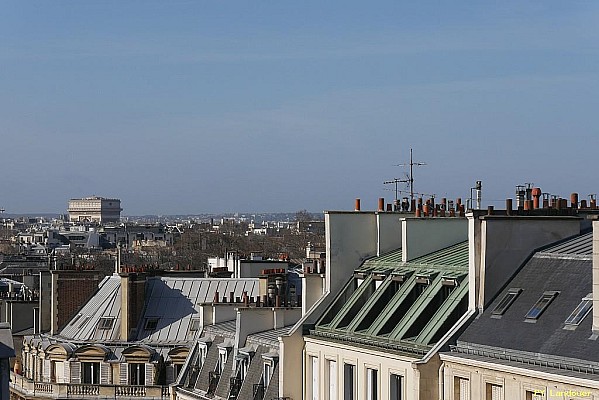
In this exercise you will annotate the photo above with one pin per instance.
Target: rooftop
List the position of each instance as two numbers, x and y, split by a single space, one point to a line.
405 306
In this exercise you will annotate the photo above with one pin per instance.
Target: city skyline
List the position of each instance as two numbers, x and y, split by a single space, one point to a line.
198 107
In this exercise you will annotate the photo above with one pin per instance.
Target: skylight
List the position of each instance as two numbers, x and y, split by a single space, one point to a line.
105 323
535 312
194 325
507 301
151 324
580 311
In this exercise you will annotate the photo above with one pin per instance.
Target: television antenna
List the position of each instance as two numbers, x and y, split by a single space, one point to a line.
396 181
410 179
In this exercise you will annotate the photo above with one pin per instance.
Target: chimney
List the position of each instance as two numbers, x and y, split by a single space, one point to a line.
133 295
508 206
574 200
536 196
357 205
381 204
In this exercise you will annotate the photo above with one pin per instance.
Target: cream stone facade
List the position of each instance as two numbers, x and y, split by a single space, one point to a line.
477 379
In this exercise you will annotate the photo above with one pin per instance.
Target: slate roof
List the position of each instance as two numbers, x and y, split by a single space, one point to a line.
510 337
175 301
405 306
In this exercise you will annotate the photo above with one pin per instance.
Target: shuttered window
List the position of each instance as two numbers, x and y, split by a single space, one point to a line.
75 372
494 392
67 372
315 376
47 371
149 374
105 374
123 374
332 380
461 388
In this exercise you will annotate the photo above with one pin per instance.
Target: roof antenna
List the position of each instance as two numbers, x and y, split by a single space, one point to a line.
410 179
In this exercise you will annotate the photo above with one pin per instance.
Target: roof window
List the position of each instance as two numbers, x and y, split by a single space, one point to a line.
151 324
194 325
535 312
105 323
580 311
507 301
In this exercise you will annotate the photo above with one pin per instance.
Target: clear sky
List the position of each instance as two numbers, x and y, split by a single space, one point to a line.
218 106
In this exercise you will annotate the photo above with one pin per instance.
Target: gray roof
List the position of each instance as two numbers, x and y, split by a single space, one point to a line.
7 348
546 339
174 301
578 247
269 337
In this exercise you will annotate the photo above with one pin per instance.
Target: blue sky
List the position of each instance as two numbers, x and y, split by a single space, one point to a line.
198 106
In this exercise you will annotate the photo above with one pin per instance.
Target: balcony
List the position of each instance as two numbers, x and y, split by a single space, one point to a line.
44 390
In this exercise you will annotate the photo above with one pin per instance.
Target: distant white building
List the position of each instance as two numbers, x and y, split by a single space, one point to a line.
95 209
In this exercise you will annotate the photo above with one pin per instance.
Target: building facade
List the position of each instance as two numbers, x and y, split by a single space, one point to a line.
95 209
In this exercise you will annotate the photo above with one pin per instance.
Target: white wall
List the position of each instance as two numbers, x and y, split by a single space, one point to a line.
389 231
422 236
506 242
350 238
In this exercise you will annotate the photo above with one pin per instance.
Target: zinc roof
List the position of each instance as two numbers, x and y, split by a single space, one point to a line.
401 313
578 247
173 301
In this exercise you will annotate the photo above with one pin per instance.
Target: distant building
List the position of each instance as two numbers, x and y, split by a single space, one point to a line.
95 209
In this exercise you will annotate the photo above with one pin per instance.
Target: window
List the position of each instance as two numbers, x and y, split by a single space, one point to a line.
507 301
151 324
494 392
222 360
461 388
194 325
137 374
581 311
266 374
535 312
535 395
315 375
395 387
90 373
371 384
105 323
332 379
349 382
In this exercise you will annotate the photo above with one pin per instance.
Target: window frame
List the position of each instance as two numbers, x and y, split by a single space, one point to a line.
540 306
579 313
506 302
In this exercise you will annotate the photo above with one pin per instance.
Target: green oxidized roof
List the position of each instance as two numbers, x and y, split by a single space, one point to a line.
406 306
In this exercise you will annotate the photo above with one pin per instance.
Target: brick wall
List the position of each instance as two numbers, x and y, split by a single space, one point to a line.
72 290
